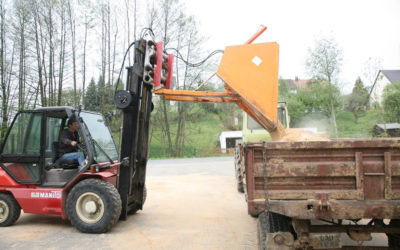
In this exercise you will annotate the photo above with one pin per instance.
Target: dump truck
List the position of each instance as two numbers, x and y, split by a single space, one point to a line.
290 185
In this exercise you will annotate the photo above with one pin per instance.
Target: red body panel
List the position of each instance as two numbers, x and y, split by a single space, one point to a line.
18 170
39 200
6 180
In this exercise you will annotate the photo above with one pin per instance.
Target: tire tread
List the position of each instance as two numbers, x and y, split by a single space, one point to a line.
103 188
277 223
14 207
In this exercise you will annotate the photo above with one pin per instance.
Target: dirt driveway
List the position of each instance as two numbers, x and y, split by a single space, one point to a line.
191 204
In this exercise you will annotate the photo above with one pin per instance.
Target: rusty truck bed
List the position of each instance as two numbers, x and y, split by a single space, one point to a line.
338 179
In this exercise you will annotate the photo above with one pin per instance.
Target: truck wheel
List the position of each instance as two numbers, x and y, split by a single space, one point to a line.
239 178
9 210
93 206
394 239
240 186
277 223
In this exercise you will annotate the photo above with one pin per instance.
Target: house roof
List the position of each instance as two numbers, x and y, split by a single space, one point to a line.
392 75
296 84
389 126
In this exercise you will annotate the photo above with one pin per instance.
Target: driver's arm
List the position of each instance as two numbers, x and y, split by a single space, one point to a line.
64 138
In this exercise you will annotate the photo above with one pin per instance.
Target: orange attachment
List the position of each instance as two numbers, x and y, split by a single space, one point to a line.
259 32
197 96
251 71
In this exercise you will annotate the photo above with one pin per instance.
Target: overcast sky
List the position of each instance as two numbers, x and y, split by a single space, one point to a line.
363 29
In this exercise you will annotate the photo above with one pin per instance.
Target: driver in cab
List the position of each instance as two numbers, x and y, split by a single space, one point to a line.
68 144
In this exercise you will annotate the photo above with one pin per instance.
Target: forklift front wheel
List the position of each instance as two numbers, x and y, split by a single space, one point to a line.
9 210
93 206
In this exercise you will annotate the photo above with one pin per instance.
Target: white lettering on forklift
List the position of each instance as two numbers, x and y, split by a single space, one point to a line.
51 195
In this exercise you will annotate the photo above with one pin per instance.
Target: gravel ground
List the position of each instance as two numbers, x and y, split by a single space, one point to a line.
191 204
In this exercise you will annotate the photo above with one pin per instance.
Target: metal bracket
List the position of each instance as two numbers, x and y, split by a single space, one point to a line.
323 202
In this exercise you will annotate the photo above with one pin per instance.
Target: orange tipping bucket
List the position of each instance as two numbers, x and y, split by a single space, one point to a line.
251 72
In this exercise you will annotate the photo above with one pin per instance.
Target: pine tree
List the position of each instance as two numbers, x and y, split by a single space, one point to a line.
358 100
91 97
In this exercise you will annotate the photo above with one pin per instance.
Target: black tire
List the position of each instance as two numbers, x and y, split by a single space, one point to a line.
9 210
394 239
239 179
144 194
97 195
238 174
240 185
277 223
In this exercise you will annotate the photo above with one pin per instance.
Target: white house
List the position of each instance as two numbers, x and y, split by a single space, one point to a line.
296 84
228 139
383 78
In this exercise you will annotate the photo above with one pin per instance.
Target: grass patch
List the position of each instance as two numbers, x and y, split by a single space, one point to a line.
345 122
201 139
363 129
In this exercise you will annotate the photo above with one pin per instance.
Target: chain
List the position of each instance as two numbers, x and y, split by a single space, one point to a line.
266 203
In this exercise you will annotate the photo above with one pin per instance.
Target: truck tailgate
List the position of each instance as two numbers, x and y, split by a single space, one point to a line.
322 178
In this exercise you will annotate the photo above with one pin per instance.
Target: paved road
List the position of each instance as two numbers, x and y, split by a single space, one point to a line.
191 204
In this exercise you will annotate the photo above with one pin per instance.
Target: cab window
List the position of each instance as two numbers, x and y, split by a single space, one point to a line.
21 152
24 137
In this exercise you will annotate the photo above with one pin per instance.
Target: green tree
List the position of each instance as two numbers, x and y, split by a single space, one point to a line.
68 95
315 98
323 63
357 102
391 102
91 97
297 107
283 90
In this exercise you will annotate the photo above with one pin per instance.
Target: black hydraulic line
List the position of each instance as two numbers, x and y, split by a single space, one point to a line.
179 56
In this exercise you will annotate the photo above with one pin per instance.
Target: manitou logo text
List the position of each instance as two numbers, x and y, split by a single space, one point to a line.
52 194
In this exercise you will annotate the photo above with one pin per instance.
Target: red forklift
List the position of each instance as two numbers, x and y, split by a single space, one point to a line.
112 184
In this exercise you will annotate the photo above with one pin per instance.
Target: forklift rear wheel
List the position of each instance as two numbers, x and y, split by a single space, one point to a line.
9 210
93 206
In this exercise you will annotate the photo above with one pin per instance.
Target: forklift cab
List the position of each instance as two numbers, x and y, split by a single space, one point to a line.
30 150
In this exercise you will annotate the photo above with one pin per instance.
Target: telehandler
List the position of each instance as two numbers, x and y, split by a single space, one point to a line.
112 184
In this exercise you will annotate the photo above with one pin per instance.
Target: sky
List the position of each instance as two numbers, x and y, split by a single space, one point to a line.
362 29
